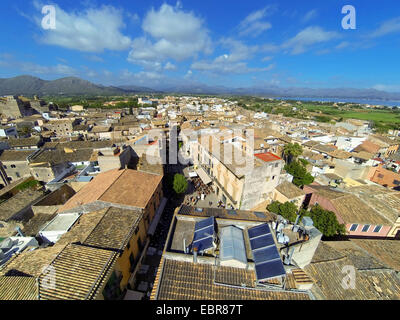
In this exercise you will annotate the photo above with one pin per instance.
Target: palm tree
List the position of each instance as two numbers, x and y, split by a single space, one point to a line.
292 151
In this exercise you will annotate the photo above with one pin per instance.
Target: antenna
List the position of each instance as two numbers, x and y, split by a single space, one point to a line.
20 233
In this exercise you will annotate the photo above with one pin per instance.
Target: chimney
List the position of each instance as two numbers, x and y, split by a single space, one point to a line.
195 255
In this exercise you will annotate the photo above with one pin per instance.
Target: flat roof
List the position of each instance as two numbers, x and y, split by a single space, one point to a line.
267 157
62 222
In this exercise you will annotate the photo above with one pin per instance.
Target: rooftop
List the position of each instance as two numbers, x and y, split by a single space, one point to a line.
289 190
14 205
116 186
90 267
15 155
267 157
327 267
179 280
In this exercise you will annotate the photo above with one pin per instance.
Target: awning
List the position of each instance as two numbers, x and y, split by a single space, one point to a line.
203 175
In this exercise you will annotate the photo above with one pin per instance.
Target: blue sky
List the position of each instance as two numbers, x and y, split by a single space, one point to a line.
216 42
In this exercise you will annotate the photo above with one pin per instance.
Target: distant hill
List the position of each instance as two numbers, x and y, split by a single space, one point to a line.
70 86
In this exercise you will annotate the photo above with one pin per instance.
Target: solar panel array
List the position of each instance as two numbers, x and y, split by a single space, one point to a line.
204 232
268 263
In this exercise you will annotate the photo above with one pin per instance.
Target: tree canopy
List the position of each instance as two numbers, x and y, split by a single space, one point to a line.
292 151
180 184
326 222
299 172
287 210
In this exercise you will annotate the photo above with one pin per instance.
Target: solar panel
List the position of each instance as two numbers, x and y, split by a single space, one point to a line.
268 263
271 269
203 244
204 234
258 231
260 215
204 223
265 254
261 242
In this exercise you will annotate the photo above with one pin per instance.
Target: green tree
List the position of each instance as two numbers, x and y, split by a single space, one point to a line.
300 175
287 210
326 222
180 184
292 151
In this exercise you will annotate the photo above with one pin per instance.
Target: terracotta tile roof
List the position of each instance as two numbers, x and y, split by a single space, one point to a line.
94 190
15 155
328 275
386 251
180 280
367 146
80 272
18 288
289 190
127 187
144 185
115 229
22 199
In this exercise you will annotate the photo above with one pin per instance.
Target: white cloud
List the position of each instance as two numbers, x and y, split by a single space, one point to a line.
387 87
169 66
342 45
234 62
170 33
188 75
92 30
267 58
308 37
387 27
254 24
310 15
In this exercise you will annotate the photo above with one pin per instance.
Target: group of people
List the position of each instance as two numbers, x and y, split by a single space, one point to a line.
200 187
201 192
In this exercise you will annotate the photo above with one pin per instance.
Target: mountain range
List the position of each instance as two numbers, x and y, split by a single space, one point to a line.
71 86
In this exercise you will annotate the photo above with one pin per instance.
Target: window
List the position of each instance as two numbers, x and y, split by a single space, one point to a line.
365 228
377 229
273 178
132 262
276 165
353 227
396 182
13 166
18 175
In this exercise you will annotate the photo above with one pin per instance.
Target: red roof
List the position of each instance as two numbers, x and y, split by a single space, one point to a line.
267 156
